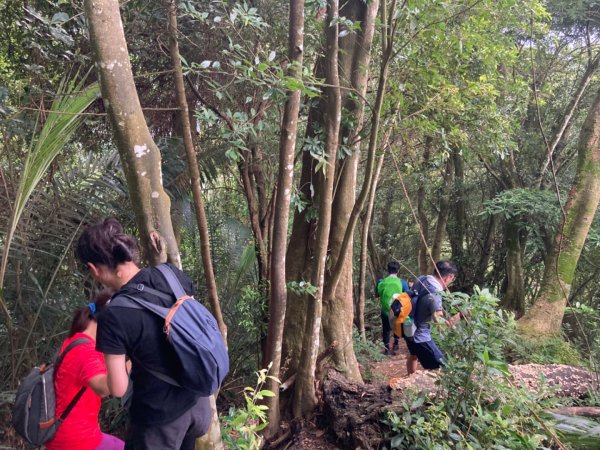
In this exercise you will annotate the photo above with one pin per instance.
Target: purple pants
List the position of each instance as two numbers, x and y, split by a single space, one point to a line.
110 442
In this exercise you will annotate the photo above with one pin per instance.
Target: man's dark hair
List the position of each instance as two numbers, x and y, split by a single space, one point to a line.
393 267
106 243
445 268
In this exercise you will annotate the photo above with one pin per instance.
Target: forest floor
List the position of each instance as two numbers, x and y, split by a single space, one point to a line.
390 371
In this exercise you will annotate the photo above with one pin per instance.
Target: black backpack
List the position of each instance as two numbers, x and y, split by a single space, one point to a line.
192 331
34 412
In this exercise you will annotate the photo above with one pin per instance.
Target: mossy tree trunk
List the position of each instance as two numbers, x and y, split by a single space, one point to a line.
545 317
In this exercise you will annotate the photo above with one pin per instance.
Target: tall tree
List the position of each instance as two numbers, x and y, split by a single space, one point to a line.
139 154
305 398
287 145
337 309
190 151
545 317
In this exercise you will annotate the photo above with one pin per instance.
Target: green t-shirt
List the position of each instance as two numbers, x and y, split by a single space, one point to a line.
386 288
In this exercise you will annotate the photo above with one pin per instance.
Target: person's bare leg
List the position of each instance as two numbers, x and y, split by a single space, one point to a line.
411 364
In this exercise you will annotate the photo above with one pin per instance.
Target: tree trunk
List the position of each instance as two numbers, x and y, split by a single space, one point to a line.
422 215
287 146
304 394
338 301
442 219
364 252
337 314
139 154
486 251
545 317
209 275
514 292
457 230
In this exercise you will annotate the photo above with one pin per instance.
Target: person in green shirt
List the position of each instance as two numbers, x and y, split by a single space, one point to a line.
386 289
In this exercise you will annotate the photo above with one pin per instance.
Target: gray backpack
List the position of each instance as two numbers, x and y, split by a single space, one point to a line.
34 412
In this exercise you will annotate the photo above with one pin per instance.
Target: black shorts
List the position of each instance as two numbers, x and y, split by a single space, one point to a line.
428 353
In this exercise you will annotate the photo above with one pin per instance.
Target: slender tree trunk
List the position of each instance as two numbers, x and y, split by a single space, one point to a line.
545 317
139 154
442 219
422 215
514 294
304 394
255 220
287 146
209 275
486 251
457 230
373 139
360 310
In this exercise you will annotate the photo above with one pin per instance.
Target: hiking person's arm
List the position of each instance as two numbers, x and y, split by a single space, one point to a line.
99 384
117 374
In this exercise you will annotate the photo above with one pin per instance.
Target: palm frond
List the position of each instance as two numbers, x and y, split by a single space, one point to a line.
63 120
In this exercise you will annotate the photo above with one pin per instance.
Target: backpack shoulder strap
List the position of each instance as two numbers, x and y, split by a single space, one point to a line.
81 391
60 356
132 302
172 280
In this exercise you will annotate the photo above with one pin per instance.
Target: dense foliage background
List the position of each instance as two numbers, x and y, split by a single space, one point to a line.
480 124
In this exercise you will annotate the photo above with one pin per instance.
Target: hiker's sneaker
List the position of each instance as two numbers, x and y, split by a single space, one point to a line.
386 352
396 348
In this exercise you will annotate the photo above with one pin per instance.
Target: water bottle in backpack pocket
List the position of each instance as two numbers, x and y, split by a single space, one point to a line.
408 327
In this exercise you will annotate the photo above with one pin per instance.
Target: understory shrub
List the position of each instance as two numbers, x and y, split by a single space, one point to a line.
476 405
241 426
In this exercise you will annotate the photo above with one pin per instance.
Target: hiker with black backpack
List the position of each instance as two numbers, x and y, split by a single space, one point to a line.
79 384
427 307
163 413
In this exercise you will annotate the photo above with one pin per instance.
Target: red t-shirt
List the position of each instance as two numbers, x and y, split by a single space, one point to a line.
80 430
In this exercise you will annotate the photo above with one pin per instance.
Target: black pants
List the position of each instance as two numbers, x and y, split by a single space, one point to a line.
386 330
180 434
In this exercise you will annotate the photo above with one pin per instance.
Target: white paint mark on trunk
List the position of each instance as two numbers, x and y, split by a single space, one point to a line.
140 150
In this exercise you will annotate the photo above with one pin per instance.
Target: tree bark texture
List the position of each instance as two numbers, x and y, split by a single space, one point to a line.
545 317
337 313
139 154
287 146
304 394
514 292
338 305
459 220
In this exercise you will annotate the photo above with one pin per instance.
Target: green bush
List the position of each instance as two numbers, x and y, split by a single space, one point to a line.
475 406
241 426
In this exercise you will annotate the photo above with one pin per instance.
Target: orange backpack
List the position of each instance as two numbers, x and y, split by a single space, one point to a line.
399 310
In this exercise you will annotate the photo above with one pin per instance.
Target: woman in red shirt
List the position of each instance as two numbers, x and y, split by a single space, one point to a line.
83 366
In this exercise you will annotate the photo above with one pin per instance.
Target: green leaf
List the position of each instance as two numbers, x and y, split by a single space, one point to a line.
267 393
